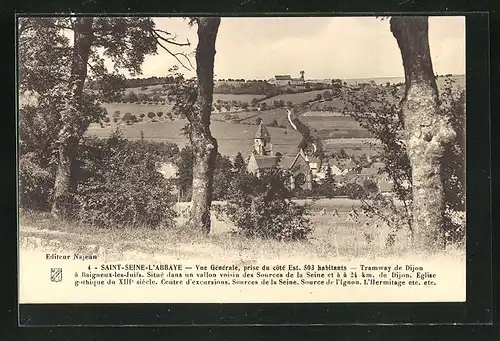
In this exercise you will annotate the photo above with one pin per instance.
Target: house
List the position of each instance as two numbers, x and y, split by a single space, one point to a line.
287 80
263 157
301 172
341 166
282 80
258 163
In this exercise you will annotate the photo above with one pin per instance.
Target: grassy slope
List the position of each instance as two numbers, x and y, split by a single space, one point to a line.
332 237
295 98
344 238
238 137
136 109
231 97
232 138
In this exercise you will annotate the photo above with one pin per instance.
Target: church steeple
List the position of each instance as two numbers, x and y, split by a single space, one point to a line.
262 141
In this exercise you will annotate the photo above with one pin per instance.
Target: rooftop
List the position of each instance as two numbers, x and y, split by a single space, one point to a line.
266 161
286 161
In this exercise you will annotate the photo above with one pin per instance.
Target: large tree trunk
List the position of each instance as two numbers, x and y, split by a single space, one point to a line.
427 131
203 143
71 117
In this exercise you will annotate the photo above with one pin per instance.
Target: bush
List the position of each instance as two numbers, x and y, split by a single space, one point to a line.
274 123
35 184
128 117
262 207
121 186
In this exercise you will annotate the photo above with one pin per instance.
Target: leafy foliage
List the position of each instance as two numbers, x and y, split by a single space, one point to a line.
35 183
43 54
120 185
262 207
377 111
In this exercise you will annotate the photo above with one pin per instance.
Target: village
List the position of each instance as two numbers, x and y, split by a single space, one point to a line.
307 168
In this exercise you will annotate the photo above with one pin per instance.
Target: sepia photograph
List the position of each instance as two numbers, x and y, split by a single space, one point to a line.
241 159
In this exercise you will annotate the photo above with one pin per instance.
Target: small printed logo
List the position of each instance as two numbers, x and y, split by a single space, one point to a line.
55 274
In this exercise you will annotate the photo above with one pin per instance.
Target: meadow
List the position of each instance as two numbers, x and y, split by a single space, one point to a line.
232 138
232 97
296 98
331 237
267 116
136 109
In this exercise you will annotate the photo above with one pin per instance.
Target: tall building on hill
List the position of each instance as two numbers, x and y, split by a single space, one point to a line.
284 80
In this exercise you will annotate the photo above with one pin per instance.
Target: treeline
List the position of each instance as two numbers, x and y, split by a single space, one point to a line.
267 89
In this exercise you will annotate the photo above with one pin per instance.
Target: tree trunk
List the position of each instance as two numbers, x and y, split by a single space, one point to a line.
203 143
427 131
71 117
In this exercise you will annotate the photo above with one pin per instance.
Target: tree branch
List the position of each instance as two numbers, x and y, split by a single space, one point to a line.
95 71
162 31
177 58
170 40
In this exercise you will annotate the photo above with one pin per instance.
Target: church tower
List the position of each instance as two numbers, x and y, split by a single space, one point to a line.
262 141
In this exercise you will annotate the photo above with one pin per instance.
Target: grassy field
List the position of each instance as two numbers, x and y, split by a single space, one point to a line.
136 109
231 97
331 122
334 241
149 89
297 98
267 116
331 237
232 138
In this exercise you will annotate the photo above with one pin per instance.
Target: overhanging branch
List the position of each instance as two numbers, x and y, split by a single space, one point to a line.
175 55
171 40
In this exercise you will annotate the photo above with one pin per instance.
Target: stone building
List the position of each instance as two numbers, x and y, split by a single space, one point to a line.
264 157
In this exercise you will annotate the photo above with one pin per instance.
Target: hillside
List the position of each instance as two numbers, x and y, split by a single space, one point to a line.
232 138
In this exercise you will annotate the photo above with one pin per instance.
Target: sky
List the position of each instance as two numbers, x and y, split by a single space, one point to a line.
324 47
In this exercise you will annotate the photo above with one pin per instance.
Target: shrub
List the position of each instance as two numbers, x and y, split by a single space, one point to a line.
262 207
35 184
151 114
274 123
121 186
385 125
128 117
327 95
